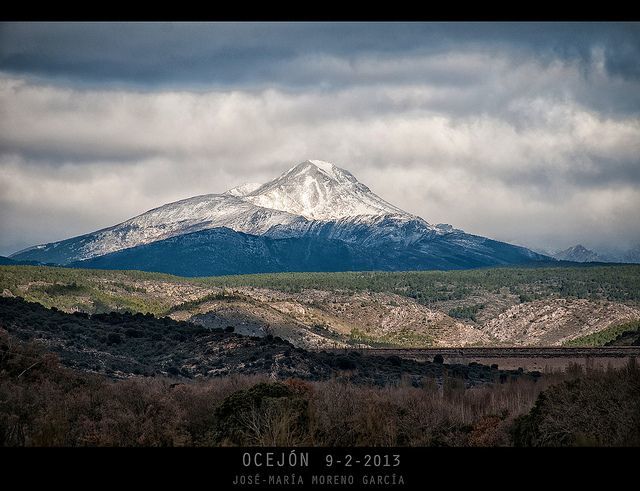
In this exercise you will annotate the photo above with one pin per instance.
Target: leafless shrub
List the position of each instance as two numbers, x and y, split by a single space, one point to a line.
44 404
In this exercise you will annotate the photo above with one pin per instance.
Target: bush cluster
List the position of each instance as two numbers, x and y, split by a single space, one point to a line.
46 404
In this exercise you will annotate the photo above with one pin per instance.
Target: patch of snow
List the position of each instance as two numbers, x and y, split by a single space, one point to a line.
243 189
185 216
328 167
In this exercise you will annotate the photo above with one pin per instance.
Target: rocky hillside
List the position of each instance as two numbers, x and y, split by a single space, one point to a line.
557 321
533 307
129 345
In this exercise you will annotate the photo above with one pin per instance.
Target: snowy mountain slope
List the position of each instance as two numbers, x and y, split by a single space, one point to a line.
365 230
319 190
313 200
185 216
243 189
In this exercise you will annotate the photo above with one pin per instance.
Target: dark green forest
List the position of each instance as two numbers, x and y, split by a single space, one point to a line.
620 283
105 291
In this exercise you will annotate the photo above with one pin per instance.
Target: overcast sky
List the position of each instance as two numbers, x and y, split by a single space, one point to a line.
527 133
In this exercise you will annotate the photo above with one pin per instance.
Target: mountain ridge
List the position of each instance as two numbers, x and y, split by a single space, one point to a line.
223 251
581 254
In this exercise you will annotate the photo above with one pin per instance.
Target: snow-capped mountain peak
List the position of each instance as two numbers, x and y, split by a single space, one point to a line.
577 253
314 200
315 168
319 190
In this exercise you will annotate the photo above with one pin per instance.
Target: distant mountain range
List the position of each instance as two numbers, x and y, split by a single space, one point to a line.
578 253
314 217
630 256
581 254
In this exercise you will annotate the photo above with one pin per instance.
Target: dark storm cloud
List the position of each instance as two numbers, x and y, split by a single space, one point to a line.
225 53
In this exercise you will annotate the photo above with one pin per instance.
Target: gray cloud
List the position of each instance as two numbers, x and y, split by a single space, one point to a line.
524 133
231 53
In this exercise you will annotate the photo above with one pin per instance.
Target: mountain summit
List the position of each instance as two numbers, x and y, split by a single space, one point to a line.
315 206
319 190
579 254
